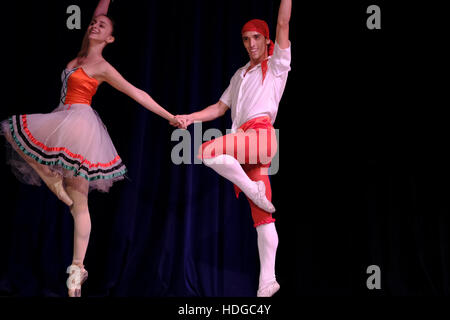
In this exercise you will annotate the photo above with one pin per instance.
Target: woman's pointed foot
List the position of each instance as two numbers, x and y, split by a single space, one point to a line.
61 193
55 184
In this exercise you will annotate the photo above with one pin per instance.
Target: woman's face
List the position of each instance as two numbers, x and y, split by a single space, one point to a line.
101 29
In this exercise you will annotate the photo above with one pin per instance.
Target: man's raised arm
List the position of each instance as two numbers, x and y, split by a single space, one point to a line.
284 16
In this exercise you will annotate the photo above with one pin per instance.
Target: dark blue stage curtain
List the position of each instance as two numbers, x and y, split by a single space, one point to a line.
168 230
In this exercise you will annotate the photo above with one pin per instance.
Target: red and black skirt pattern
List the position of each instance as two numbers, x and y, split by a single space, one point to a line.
71 140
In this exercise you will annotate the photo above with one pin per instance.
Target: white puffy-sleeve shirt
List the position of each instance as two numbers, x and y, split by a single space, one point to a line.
248 97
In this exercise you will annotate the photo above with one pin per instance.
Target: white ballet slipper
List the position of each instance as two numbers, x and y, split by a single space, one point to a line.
259 198
268 290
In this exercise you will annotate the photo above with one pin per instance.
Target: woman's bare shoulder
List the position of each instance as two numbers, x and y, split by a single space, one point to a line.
72 64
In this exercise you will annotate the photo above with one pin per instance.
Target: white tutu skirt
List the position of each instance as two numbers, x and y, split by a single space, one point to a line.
72 140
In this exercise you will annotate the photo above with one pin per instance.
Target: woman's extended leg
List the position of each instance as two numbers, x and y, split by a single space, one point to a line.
78 189
53 180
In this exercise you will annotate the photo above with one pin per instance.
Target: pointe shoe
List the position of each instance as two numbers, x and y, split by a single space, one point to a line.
53 180
55 184
61 193
260 199
75 282
268 290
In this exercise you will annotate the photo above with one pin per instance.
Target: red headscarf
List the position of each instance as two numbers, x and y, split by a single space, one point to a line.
261 27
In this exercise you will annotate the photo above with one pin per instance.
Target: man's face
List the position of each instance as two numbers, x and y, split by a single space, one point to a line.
256 45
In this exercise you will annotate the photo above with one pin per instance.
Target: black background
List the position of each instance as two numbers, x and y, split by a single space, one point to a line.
363 160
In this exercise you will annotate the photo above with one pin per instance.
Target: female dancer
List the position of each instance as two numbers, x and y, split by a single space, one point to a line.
69 148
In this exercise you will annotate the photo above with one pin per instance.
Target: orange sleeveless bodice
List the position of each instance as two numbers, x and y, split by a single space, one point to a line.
78 87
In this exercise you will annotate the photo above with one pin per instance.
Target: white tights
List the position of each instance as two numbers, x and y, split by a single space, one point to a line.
267 247
229 168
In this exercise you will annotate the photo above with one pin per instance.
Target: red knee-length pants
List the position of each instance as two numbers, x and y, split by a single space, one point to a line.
253 145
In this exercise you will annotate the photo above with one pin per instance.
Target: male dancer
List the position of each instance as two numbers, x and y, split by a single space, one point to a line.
244 156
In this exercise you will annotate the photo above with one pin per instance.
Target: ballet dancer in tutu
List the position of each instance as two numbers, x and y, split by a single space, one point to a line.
243 157
70 149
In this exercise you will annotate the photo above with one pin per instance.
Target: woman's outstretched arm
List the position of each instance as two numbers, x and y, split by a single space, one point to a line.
114 78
